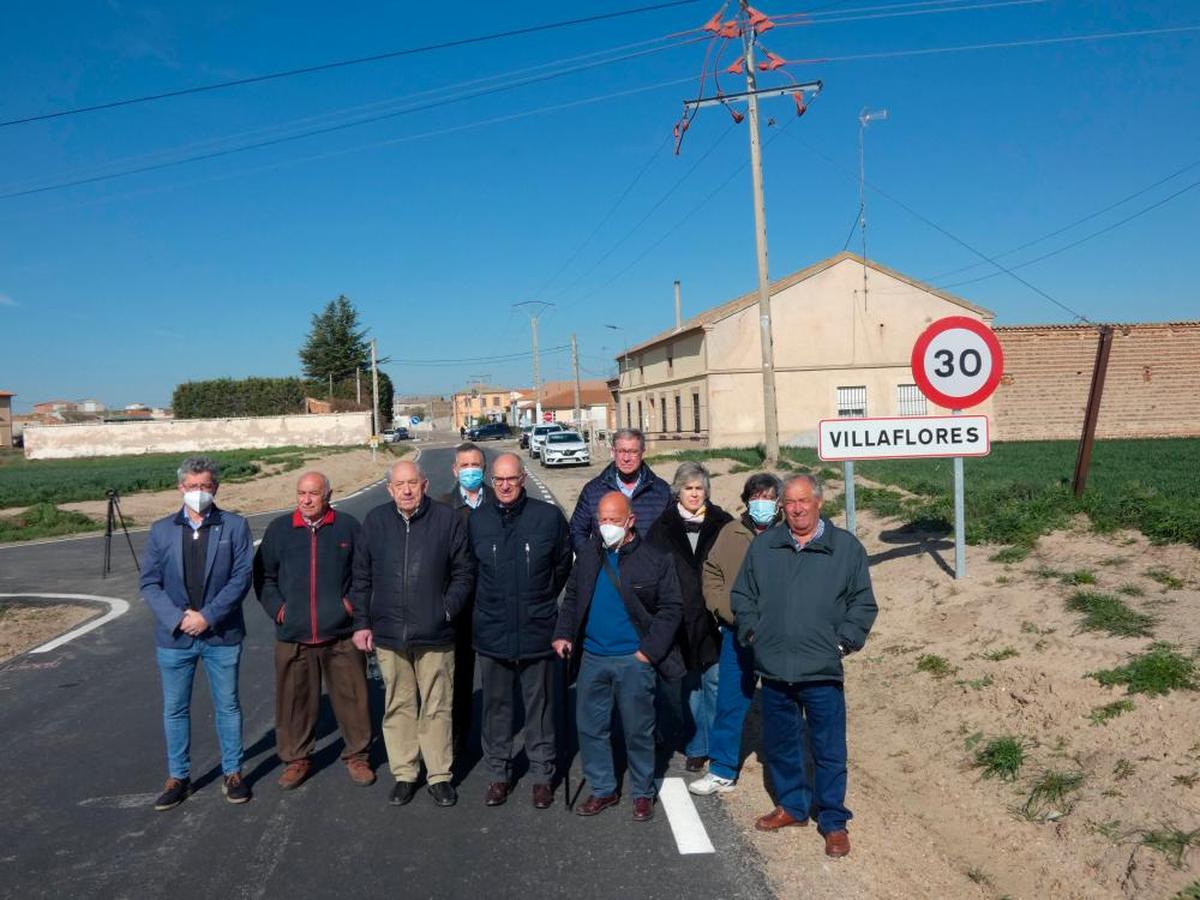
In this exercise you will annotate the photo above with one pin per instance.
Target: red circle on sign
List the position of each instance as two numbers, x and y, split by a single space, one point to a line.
925 383
547 417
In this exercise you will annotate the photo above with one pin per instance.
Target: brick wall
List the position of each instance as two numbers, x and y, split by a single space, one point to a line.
1152 388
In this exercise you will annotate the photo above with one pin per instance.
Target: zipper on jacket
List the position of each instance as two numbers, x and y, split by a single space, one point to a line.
404 582
312 581
527 562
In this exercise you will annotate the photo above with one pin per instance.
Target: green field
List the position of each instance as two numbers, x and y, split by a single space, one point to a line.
25 482
1023 490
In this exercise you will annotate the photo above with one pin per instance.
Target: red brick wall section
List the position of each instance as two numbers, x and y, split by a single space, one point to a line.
1152 388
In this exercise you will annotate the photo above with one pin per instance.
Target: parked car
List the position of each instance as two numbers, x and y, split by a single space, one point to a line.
564 448
525 432
393 435
538 436
497 431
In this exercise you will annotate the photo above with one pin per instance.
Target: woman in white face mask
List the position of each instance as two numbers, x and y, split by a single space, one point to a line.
687 530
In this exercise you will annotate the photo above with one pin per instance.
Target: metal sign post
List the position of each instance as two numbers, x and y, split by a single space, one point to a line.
960 518
851 515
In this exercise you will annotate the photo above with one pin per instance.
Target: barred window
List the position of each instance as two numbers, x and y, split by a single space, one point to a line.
852 401
910 401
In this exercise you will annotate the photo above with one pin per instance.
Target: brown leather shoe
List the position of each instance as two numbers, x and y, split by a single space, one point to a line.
776 819
543 796
594 804
360 772
837 844
696 763
294 774
643 809
497 793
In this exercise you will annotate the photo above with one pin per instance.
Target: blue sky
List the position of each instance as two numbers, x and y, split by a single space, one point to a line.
123 288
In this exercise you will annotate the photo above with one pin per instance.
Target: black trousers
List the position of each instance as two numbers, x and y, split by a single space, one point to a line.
499 678
464 678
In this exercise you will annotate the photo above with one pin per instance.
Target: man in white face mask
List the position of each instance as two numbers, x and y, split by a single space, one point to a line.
196 570
622 609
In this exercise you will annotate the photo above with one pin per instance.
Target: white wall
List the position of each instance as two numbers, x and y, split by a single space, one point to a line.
189 435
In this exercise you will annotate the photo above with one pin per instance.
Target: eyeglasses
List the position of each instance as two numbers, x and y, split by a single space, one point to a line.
628 452
507 479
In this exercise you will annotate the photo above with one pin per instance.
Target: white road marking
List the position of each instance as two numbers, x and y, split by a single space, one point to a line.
117 608
690 836
121 801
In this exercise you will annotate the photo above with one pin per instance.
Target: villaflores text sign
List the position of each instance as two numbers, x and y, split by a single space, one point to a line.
903 437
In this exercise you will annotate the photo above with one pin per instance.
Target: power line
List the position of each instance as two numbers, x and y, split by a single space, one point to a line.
322 67
1087 237
938 228
1056 232
1036 42
215 154
476 359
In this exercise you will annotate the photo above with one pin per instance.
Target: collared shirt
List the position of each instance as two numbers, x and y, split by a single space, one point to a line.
816 534
196 526
628 490
474 504
299 520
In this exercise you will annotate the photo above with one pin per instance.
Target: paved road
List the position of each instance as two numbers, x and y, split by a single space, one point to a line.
81 750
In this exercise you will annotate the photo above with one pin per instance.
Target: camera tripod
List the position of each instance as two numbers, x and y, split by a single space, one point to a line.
113 518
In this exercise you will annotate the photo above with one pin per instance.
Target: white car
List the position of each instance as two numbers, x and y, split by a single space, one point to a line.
565 448
538 437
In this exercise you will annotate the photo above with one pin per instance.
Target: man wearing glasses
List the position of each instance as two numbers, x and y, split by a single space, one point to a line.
522 548
196 571
648 494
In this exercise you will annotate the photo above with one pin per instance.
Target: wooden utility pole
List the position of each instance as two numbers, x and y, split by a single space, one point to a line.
1084 459
374 389
770 408
358 384
331 386
575 364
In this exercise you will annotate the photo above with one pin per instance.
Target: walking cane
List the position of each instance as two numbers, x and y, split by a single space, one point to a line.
566 710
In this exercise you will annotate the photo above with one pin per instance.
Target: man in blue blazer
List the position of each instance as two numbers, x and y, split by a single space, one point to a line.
196 570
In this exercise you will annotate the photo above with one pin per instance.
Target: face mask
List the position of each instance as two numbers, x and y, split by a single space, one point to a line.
762 511
197 501
612 535
470 478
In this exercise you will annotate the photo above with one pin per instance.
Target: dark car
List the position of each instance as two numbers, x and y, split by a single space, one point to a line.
392 435
492 431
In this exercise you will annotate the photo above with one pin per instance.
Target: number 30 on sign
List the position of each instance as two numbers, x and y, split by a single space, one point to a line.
957 362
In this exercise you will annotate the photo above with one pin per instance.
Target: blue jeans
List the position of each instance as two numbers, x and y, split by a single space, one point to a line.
700 696
178 670
812 715
629 683
735 692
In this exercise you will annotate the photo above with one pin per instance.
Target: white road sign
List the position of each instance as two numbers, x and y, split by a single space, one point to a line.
903 437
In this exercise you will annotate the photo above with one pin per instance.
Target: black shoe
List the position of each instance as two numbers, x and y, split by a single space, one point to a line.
173 794
235 789
402 792
443 793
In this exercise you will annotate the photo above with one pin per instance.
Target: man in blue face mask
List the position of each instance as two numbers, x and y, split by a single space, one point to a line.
467 495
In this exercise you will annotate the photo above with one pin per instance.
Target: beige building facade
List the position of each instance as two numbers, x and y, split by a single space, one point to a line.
482 402
6 420
838 351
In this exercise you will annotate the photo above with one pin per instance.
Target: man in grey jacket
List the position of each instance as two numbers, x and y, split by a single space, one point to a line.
803 601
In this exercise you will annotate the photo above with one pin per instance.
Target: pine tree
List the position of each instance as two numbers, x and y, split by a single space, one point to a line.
336 345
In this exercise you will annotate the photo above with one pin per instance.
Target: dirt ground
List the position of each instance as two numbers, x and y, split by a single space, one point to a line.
926 824
26 625
347 471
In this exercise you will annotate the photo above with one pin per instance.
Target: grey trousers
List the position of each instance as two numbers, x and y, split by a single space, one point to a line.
498 678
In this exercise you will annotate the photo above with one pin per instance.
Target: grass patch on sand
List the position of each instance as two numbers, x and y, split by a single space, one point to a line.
1110 614
1100 715
937 666
1158 671
1001 758
1048 799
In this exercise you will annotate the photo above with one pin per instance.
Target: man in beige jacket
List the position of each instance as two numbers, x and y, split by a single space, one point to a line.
736 679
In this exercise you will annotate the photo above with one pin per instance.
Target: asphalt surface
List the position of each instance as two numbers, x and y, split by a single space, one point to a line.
82 753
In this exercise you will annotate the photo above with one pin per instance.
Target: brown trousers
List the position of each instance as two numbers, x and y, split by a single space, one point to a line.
298 672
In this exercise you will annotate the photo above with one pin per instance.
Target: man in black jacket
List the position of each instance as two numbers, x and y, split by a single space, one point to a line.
523 551
302 577
648 494
469 493
621 610
412 576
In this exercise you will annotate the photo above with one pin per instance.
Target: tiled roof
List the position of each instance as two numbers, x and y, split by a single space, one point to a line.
1077 326
717 313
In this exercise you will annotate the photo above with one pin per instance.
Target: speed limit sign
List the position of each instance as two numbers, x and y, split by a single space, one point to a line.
957 362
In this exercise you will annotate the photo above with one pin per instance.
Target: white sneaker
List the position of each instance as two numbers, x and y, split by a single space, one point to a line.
712 784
